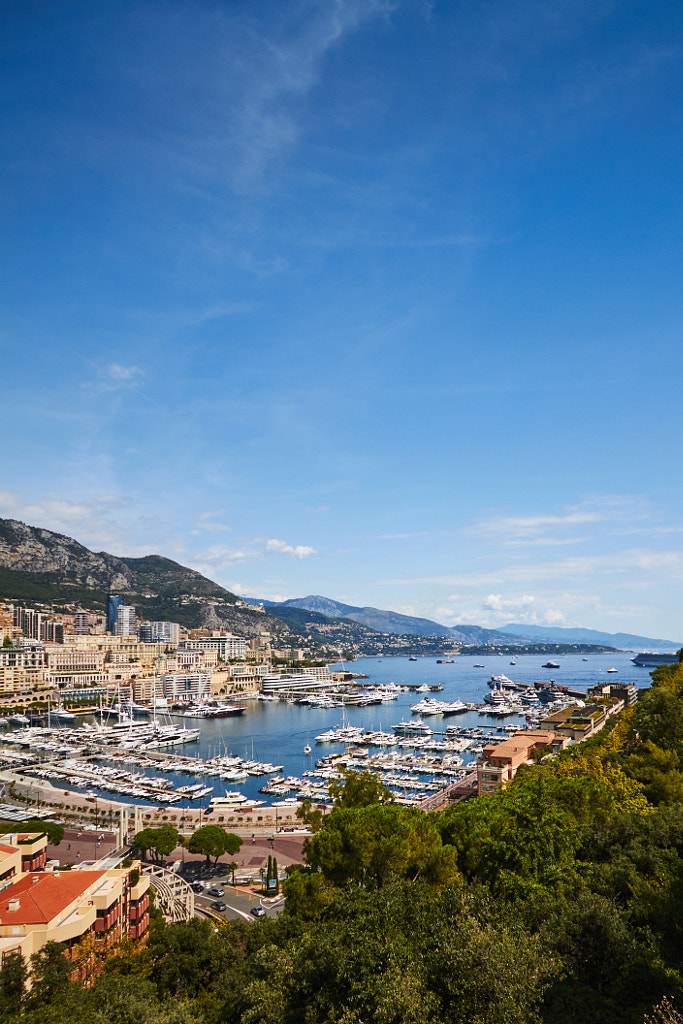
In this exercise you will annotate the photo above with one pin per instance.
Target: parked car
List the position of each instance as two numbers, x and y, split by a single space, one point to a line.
258 911
219 905
215 891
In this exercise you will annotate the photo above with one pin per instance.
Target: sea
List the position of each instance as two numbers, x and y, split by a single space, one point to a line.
278 732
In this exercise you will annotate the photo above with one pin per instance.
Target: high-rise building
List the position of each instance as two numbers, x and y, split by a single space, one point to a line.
29 622
113 605
81 623
125 620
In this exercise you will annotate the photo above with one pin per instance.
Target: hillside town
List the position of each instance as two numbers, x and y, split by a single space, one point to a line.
86 656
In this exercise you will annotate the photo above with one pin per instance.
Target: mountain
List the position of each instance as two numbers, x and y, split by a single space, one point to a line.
39 565
387 621
558 634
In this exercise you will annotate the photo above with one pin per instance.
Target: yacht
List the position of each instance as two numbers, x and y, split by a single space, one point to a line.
455 707
428 706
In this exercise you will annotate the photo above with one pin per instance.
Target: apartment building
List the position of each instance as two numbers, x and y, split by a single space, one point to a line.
22 682
580 723
125 620
70 668
188 688
160 632
89 910
225 646
500 762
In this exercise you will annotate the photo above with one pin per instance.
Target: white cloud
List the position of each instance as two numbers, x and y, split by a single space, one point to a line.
283 548
220 556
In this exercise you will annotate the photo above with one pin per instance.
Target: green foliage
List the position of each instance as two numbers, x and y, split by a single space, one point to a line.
157 843
50 972
659 773
359 789
659 717
12 985
53 831
371 845
309 816
213 841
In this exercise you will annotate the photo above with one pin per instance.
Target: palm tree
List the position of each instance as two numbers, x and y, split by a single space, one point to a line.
231 867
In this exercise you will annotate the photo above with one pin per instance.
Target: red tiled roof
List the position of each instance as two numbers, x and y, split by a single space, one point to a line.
7 849
44 894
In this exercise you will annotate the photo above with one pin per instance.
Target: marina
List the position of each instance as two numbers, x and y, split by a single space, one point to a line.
210 761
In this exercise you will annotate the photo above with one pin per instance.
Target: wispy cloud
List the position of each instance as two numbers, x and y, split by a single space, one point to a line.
616 513
402 536
205 521
618 563
113 377
523 527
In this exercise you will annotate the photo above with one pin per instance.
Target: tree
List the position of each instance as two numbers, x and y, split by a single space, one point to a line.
659 717
157 843
313 818
213 841
12 984
232 867
658 771
359 789
371 845
50 974
53 831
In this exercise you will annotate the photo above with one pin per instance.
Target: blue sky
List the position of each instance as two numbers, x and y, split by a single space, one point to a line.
379 300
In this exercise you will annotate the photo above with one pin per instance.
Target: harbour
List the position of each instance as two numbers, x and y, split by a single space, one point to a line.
415 747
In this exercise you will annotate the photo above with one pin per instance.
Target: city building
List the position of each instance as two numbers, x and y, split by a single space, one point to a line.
580 723
89 910
159 632
500 762
225 646
190 689
125 620
113 605
81 625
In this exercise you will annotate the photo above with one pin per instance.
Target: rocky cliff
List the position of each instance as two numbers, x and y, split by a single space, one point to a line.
37 564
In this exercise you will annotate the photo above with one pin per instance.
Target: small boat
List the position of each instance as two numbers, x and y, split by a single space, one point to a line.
551 664
307 748
412 658
477 664
611 670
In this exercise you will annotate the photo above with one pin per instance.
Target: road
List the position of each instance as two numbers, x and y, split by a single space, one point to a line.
240 902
